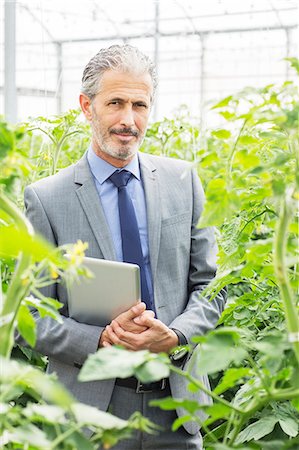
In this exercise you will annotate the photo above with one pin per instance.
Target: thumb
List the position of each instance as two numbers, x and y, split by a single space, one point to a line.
136 310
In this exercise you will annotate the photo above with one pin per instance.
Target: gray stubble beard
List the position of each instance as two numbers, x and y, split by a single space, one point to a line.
123 154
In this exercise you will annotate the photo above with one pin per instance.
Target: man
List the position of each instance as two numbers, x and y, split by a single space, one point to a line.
177 260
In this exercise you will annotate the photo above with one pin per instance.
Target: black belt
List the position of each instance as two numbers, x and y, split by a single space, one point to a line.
141 388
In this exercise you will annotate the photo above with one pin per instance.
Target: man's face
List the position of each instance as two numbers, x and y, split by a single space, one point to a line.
119 115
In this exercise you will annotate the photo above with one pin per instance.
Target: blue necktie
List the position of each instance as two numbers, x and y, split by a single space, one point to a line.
131 244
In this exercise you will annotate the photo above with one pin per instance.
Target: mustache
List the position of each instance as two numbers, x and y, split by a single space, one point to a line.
126 131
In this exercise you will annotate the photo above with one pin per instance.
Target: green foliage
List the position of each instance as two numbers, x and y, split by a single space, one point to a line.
36 412
115 362
56 142
57 421
249 168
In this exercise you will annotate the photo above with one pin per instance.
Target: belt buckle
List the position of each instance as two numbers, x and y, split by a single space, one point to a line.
141 390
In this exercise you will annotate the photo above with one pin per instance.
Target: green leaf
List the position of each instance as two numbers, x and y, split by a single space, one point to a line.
289 426
45 413
271 344
247 139
230 378
46 306
223 344
30 434
294 63
217 207
223 102
221 134
78 441
295 403
89 415
26 325
180 421
152 371
7 140
216 411
28 378
228 115
257 430
169 403
112 362
13 241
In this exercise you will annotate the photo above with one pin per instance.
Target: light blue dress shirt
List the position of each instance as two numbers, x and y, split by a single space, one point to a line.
108 192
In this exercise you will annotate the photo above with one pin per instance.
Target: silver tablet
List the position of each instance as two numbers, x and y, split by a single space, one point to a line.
114 288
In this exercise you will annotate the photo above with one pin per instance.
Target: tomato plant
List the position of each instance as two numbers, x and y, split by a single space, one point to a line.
36 411
249 167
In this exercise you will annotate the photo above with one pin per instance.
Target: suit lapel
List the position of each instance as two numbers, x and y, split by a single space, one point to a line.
91 204
153 208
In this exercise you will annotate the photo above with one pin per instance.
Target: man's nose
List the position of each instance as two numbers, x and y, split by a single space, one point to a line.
127 117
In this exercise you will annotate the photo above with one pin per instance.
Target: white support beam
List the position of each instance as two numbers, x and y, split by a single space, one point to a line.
176 33
156 53
10 91
59 85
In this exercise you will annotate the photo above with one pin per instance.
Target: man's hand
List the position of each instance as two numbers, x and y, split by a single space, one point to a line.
128 321
156 336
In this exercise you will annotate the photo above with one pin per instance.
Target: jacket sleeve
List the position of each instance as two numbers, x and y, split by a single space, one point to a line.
70 342
200 314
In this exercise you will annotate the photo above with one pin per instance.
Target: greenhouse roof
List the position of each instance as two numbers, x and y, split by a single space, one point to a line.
203 50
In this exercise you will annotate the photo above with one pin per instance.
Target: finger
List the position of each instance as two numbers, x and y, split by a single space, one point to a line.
117 340
130 339
138 309
120 332
146 320
134 311
148 313
112 337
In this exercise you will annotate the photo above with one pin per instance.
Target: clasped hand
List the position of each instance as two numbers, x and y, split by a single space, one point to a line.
138 329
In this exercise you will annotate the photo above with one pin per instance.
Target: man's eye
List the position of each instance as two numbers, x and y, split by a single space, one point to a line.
115 102
141 105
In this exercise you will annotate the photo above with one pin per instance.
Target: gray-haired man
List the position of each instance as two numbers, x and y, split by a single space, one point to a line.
177 259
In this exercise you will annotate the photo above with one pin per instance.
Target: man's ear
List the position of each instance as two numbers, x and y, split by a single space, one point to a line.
85 104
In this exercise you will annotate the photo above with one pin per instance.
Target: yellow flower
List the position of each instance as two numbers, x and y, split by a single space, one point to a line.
25 281
46 156
80 247
296 195
77 252
53 273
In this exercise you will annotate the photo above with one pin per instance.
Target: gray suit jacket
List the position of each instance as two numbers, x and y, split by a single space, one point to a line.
66 207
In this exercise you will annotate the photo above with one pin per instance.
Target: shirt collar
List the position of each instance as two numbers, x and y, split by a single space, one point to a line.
102 170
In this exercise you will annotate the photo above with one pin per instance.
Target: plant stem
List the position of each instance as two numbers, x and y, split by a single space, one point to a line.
228 426
232 154
202 387
279 261
253 218
64 435
259 375
16 290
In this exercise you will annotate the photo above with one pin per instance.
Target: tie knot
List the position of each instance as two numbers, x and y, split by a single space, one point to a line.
120 179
